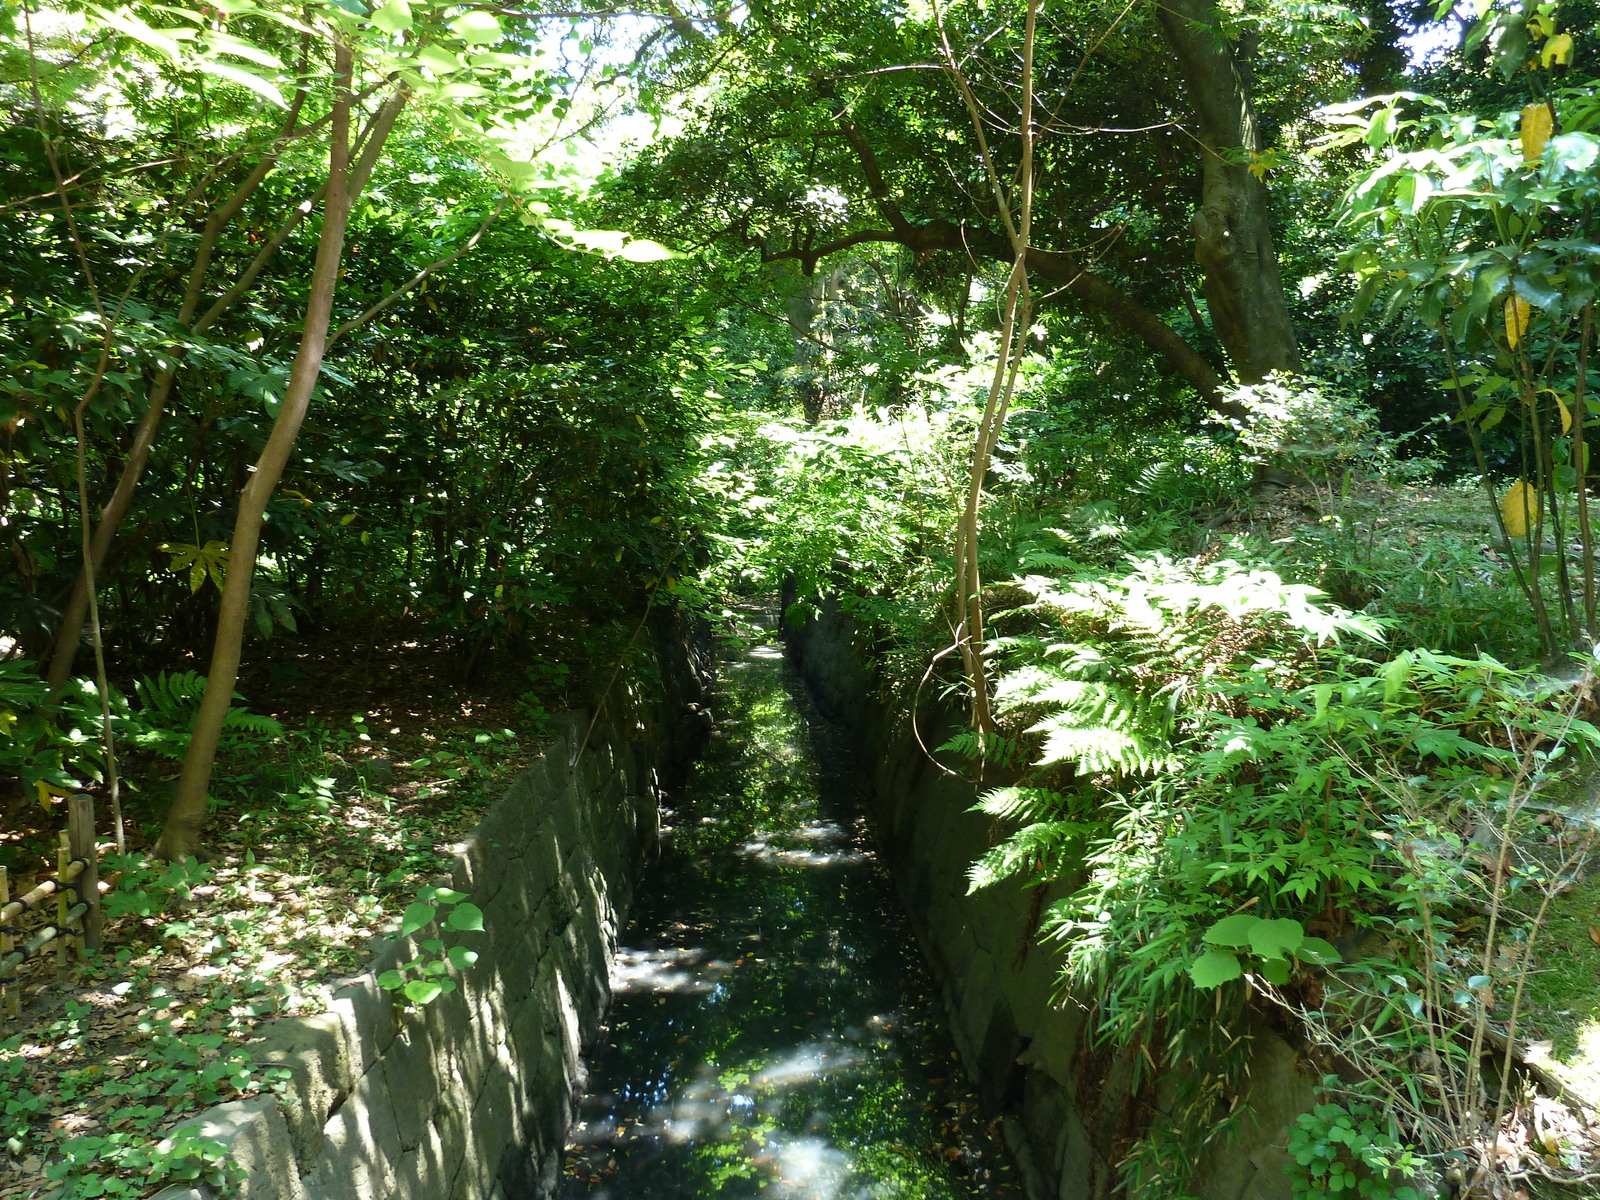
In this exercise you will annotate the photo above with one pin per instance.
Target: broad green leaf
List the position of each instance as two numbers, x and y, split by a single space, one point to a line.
462 958
1574 152
423 991
643 250
439 60
477 28
1316 950
448 895
245 79
1537 291
416 917
465 918
393 17
1274 939
607 241
392 981
1214 968
1275 970
126 22
1232 931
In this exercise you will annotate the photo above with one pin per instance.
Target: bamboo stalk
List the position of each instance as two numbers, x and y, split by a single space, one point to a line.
10 1001
63 861
80 834
59 933
15 908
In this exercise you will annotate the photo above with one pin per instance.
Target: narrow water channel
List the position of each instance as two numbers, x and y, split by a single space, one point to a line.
773 1031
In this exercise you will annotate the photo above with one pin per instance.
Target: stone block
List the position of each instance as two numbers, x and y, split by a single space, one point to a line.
316 1050
258 1143
361 1144
367 1012
410 1077
427 1171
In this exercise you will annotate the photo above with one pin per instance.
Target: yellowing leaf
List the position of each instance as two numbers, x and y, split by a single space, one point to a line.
1557 49
1518 314
47 793
1566 415
1537 122
1519 508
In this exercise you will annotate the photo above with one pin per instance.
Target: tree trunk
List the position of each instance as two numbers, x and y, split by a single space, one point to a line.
1232 231
186 818
70 631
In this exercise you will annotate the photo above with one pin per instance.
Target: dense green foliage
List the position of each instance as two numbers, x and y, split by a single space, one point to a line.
1263 643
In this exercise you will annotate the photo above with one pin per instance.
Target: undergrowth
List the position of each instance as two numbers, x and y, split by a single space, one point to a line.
325 837
1257 738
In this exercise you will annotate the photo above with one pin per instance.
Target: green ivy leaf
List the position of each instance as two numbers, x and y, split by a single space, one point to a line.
465 918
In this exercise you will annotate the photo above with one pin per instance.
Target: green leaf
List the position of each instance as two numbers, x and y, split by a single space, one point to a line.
1315 950
1232 931
393 17
392 981
1272 939
1540 293
643 250
477 28
245 79
415 917
1214 968
1275 970
1571 152
465 918
439 60
448 895
461 958
423 991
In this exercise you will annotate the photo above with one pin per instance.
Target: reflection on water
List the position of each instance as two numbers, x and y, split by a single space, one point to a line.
771 1033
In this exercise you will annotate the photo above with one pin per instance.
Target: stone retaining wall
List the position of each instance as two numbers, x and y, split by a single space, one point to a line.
1068 1111
470 1097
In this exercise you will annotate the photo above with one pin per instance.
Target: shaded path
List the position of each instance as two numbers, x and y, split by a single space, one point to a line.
772 1032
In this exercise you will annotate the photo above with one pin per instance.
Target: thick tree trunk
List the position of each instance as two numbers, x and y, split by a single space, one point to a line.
1232 231
186 818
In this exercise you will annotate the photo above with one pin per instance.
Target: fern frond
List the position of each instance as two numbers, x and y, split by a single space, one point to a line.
1029 853
1024 804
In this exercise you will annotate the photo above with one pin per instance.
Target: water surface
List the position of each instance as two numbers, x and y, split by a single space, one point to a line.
772 1032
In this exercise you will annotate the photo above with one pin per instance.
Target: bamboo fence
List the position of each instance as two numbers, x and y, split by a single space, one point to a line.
76 888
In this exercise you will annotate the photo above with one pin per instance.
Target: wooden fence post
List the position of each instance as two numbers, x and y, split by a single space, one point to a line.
63 860
9 998
80 833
